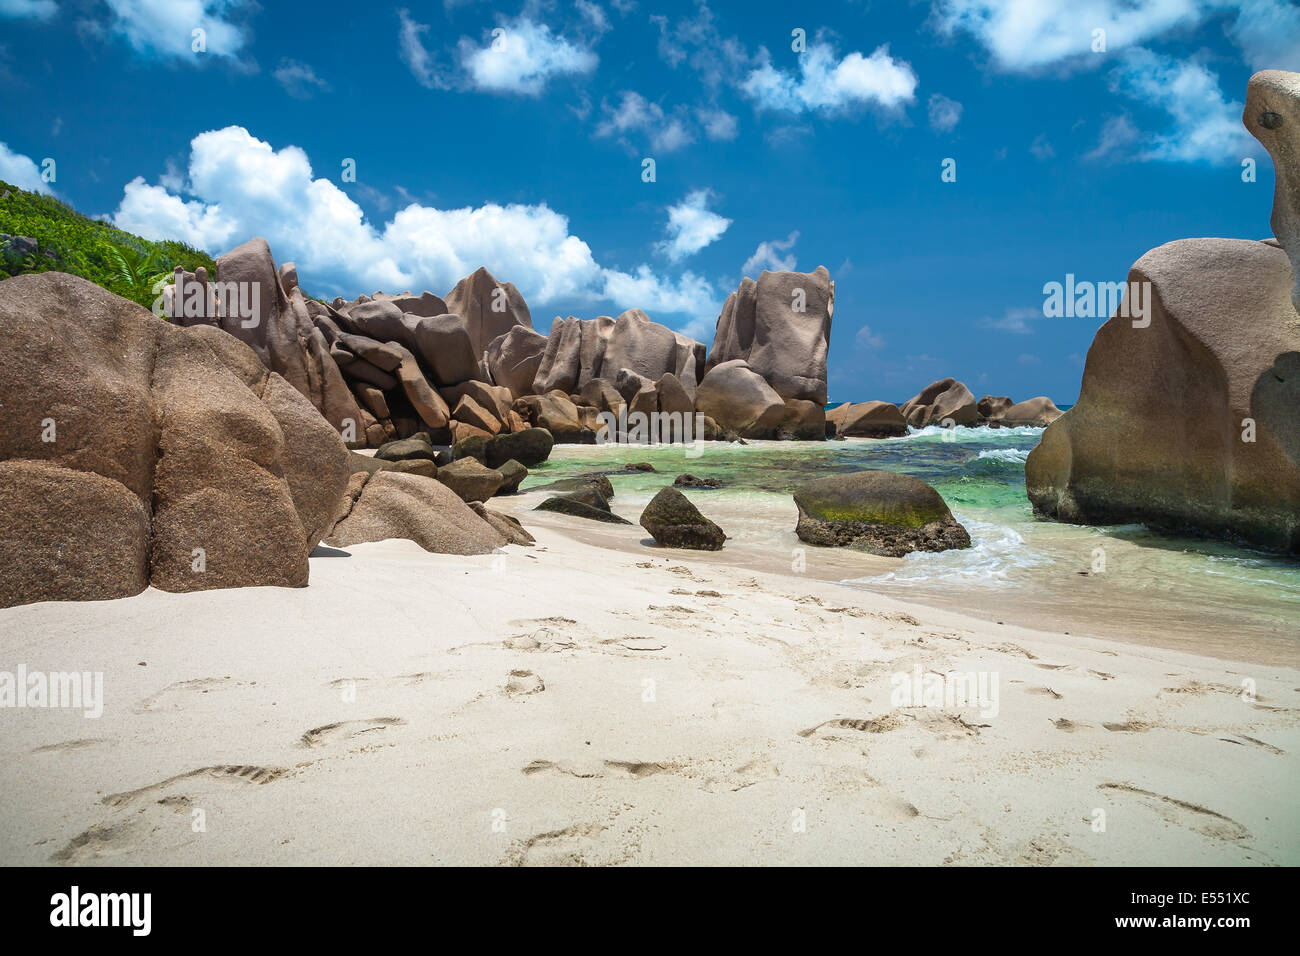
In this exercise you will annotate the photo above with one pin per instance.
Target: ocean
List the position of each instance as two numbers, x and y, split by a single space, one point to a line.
1116 581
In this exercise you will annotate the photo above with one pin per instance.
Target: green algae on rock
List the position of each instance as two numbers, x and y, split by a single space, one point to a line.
882 512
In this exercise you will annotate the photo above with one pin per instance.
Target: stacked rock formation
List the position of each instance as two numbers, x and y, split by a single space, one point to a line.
136 453
384 367
1190 422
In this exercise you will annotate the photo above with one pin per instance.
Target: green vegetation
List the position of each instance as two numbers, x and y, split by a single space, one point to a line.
70 242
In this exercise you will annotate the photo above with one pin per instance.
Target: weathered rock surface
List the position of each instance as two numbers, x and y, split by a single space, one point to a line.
882 512
1272 115
489 308
136 452
941 402
868 420
1190 422
513 359
780 326
673 521
737 398
529 447
470 479
392 505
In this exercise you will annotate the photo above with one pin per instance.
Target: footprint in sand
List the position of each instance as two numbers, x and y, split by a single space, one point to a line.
346 730
574 845
1043 692
1182 812
1129 727
177 696
238 773
869 725
521 683
1243 740
589 769
66 745
1064 723
156 819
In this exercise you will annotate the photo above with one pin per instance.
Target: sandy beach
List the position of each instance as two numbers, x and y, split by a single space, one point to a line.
567 704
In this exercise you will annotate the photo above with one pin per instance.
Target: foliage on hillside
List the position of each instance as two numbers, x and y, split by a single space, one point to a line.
70 242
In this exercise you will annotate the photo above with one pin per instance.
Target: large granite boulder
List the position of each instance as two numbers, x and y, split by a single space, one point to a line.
471 479
1033 412
1187 418
134 452
513 359
674 522
882 512
868 420
264 308
993 407
557 414
1272 115
740 400
532 446
781 326
941 402
392 505
442 342
489 308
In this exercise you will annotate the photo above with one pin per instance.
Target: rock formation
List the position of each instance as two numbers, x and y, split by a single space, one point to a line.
135 452
882 512
1187 420
674 522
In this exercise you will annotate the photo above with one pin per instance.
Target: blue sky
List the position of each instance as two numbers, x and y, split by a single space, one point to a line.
523 151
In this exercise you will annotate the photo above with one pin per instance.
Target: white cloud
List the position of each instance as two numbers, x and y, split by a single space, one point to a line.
1268 32
28 9
419 61
21 171
522 59
831 85
767 256
164 27
945 113
691 226
718 123
242 188
1205 125
1041 148
868 339
1026 36
299 79
1015 321
1117 134
635 114
594 15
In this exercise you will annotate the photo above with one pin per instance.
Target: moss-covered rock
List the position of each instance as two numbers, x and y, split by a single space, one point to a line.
882 512
564 504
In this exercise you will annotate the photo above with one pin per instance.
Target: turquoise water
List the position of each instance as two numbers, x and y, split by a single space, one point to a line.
1119 580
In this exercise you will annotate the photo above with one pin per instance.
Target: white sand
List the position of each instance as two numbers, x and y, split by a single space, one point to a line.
237 704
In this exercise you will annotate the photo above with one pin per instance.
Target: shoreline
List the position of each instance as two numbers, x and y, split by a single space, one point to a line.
510 689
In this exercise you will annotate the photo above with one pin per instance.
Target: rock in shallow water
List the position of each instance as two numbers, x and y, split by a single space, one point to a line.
674 522
881 512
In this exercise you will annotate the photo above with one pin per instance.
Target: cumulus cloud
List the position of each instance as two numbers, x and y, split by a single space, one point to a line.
299 79
1268 32
665 132
768 255
163 28
868 339
691 226
718 123
21 171
1204 124
241 187
522 58
28 9
945 113
830 85
1023 37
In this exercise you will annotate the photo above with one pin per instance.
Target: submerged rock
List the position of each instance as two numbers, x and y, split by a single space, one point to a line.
690 481
882 512
674 522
